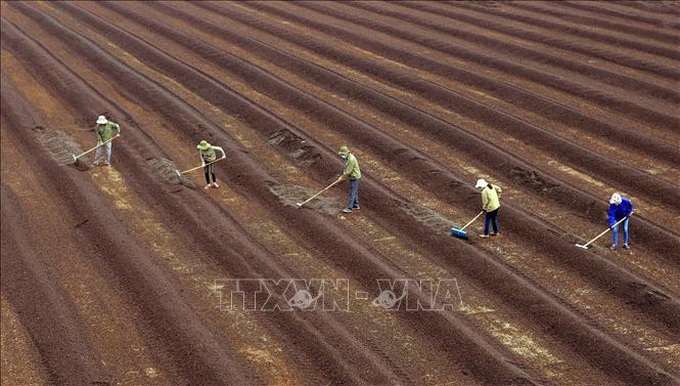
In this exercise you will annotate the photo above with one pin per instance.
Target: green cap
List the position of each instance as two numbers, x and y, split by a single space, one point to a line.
344 150
204 145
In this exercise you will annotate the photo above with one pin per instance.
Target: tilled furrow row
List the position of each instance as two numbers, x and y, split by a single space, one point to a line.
539 54
541 138
361 130
194 350
525 99
607 99
615 53
319 349
489 363
611 37
32 289
599 17
658 14
449 133
465 142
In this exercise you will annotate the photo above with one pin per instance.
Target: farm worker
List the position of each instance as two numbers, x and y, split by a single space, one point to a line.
104 130
208 159
352 173
619 208
490 204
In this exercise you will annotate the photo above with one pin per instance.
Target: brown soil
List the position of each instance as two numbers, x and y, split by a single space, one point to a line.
130 274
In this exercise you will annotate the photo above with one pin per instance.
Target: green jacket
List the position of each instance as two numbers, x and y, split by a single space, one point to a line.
209 155
352 170
491 198
105 131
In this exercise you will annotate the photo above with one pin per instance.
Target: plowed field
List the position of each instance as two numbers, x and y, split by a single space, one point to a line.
130 275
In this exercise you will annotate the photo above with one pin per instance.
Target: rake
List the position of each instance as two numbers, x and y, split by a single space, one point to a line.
179 174
76 161
299 204
585 246
460 233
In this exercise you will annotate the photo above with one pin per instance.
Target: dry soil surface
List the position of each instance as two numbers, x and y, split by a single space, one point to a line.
130 275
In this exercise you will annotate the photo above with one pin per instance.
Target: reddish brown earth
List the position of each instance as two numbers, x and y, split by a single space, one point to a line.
123 275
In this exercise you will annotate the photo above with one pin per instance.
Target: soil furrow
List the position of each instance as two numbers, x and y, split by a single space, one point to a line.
540 54
485 84
20 359
618 62
654 13
651 11
382 141
637 60
194 349
124 355
68 358
497 372
348 373
525 99
596 16
528 131
280 86
458 139
602 35
308 68
626 106
265 161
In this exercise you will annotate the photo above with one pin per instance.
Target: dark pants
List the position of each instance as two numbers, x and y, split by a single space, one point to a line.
353 199
491 217
208 170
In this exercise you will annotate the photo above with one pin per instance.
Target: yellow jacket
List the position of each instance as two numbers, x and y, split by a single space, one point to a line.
491 198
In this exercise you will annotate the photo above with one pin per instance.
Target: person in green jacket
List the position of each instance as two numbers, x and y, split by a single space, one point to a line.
105 133
353 173
490 205
208 161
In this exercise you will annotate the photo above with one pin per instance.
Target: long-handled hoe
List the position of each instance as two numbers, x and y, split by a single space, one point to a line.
76 159
299 204
585 246
460 233
179 174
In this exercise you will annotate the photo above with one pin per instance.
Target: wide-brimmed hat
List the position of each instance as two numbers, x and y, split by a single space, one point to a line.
101 120
481 183
204 145
343 150
616 199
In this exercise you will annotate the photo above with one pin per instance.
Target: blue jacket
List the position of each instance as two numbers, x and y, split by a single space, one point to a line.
618 212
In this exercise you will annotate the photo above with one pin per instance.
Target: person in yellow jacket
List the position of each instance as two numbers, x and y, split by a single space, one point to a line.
208 160
490 204
353 174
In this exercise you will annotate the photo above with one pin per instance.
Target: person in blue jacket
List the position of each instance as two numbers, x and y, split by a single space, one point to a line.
619 208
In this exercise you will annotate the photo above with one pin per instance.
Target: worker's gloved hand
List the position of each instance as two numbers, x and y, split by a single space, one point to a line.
99 143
